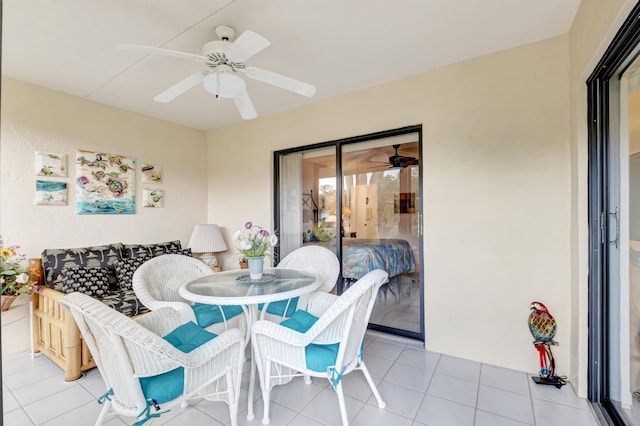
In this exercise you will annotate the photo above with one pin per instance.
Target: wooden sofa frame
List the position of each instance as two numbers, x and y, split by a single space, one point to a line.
57 336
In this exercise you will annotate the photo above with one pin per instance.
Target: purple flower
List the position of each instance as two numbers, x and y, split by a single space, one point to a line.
264 232
248 225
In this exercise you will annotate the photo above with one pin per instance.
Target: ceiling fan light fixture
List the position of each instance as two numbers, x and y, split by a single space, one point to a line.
224 85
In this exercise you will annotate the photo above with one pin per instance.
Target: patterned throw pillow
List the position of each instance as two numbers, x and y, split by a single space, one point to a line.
55 261
137 250
184 252
93 282
125 302
125 269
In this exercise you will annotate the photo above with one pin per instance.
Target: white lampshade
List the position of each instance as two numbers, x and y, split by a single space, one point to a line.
206 239
224 84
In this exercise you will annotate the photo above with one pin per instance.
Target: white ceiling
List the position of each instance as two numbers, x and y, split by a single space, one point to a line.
339 46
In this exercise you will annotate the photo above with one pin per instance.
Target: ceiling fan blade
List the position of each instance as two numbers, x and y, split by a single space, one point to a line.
281 81
180 87
245 106
245 46
161 51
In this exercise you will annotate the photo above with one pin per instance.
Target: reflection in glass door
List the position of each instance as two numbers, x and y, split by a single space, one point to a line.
381 227
306 195
360 198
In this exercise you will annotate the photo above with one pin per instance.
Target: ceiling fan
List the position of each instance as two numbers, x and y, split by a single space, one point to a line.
397 161
224 60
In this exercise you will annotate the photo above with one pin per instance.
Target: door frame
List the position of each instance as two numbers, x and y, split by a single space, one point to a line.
603 118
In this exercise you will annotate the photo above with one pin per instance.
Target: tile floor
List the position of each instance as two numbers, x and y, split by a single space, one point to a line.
398 305
419 387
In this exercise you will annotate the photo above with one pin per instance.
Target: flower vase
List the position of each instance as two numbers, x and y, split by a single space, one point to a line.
256 265
7 301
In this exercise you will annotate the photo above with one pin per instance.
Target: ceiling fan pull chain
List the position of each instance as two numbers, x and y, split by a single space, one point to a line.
218 85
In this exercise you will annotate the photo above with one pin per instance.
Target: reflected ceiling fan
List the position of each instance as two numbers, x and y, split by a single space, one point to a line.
397 161
224 60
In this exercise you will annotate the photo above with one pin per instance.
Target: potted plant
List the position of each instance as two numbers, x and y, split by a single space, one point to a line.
254 244
13 276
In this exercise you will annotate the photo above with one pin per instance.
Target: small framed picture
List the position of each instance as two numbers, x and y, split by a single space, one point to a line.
51 193
51 164
151 173
152 197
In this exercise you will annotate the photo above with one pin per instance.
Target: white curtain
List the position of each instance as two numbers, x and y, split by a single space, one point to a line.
290 203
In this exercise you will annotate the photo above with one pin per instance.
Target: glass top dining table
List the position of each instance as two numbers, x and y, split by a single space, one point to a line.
235 288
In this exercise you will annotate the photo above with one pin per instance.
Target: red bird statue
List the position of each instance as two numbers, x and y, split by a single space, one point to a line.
543 328
541 323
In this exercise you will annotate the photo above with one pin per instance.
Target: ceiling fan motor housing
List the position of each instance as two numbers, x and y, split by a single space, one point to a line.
216 46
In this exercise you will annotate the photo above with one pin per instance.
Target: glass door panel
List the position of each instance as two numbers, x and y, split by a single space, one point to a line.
380 199
306 183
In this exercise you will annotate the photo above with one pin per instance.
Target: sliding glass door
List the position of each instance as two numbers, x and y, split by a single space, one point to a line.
614 222
361 198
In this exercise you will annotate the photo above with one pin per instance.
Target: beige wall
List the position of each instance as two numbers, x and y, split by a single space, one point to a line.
38 119
497 189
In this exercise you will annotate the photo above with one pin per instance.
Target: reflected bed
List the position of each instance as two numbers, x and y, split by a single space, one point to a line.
360 256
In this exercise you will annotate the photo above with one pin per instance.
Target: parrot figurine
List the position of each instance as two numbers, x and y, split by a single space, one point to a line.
543 327
541 323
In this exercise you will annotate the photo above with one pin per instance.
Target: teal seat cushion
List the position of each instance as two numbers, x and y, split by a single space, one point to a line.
277 308
321 357
300 321
168 386
212 314
189 336
318 357
164 387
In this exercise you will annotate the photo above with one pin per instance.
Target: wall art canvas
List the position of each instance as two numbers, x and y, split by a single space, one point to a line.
105 183
153 197
51 193
151 173
51 164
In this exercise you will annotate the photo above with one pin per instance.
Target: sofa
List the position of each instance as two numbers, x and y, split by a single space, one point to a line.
103 272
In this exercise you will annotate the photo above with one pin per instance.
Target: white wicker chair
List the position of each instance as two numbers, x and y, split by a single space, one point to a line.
321 261
157 281
132 354
332 344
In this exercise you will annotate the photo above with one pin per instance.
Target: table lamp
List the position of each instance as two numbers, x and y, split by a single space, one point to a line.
346 213
206 239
